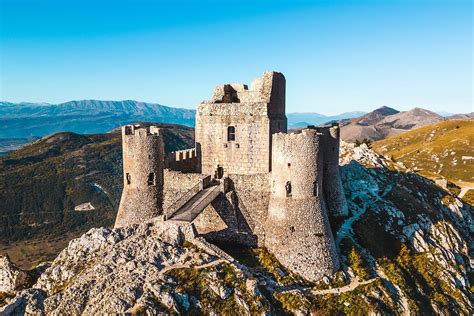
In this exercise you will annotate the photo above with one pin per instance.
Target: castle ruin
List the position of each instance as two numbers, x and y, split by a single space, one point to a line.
246 181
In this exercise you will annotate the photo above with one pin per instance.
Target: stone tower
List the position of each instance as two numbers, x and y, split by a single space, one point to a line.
332 187
297 228
234 129
143 163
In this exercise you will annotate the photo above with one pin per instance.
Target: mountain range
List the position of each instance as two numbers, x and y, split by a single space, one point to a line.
24 122
298 120
21 120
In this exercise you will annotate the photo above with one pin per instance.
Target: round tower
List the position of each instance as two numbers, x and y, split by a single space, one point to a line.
143 163
333 189
297 229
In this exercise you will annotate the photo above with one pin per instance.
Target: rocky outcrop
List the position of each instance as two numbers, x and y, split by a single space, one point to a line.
11 278
402 223
126 270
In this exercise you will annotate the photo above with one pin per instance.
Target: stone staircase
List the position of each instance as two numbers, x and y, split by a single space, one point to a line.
195 205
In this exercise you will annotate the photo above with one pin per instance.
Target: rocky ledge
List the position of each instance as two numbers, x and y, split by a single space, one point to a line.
129 269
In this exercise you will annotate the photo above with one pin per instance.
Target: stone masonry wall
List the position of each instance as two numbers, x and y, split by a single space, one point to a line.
254 113
177 184
238 215
248 153
297 228
332 185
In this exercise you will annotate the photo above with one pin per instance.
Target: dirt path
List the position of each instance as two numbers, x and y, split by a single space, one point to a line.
464 190
347 288
189 266
370 198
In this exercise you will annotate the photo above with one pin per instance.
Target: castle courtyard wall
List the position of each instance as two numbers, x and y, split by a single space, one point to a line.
176 184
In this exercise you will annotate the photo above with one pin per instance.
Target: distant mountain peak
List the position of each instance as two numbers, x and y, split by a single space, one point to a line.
385 110
375 116
386 121
422 112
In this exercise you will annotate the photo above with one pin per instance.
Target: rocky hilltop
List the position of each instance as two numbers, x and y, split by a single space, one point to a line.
405 248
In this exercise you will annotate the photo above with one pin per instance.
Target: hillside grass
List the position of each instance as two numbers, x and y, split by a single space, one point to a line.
435 151
27 254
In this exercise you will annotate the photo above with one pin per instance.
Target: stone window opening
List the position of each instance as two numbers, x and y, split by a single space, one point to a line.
151 179
129 178
231 133
219 174
315 189
128 130
288 188
292 229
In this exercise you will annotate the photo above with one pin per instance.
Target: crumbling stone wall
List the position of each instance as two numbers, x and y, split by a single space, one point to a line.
233 129
332 185
143 162
297 228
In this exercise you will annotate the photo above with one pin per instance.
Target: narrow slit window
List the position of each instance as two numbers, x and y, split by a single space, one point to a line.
288 189
315 188
230 133
151 179
129 178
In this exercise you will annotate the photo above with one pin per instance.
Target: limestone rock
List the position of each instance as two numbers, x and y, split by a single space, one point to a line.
11 277
124 270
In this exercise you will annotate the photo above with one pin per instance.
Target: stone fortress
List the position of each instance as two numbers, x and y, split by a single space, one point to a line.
247 181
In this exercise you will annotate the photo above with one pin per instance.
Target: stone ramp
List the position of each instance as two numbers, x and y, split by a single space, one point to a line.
194 206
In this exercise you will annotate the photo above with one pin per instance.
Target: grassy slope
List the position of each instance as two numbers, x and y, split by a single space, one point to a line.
435 151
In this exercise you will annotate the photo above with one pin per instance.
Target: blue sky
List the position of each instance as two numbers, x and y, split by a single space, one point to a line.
337 56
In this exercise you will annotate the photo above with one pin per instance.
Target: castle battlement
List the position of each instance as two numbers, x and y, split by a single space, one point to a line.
140 131
269 188
185 160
